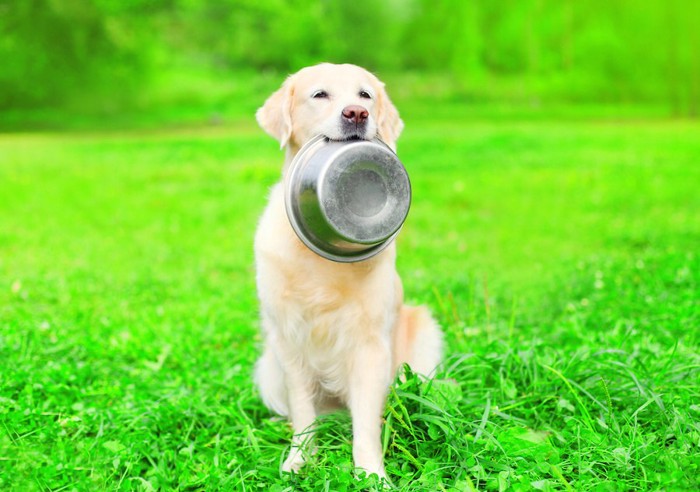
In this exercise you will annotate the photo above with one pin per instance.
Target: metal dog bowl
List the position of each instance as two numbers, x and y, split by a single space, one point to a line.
346 200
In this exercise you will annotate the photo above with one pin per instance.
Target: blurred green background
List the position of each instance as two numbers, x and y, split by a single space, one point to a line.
217 59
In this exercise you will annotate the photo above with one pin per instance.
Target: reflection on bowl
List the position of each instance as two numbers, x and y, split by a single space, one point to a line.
347 200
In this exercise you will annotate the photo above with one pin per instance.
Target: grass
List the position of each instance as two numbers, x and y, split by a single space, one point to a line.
560 254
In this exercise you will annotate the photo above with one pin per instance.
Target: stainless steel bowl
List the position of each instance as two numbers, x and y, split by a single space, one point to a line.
346 200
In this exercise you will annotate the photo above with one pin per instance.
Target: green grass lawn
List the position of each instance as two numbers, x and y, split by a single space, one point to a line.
560 255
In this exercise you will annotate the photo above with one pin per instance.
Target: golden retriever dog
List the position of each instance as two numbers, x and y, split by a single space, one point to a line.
334 333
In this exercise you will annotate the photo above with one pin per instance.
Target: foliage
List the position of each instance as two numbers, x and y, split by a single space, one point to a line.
559 254
56 51
53 49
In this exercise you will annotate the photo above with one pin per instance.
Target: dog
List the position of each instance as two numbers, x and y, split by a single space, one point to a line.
335 334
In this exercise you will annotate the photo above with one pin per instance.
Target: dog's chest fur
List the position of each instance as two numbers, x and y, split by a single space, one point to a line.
322 309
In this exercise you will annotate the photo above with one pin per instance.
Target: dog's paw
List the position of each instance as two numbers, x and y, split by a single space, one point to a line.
382 480
294 461
368 459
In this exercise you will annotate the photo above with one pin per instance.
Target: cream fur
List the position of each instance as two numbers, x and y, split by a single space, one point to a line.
335 333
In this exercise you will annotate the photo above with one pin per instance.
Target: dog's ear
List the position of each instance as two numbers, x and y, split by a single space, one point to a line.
275 116
389 123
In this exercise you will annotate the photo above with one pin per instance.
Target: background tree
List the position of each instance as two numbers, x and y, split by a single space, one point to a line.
55 51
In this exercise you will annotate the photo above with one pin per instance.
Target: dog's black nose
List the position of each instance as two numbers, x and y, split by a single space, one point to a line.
355 114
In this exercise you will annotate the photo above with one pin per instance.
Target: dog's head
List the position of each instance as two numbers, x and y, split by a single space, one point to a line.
340 102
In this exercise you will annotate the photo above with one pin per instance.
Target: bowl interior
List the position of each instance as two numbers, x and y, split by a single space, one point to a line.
346 200
365 193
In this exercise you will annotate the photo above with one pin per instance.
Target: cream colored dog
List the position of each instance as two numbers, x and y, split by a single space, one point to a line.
335 333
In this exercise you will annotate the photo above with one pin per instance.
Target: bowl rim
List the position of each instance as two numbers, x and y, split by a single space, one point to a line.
295 221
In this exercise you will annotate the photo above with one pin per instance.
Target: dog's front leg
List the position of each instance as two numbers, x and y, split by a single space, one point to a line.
369 382
302 415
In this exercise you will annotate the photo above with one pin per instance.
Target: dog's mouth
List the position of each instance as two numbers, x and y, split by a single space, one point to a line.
351 138
355 137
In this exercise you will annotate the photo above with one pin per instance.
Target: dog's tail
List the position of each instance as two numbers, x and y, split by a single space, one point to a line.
418 340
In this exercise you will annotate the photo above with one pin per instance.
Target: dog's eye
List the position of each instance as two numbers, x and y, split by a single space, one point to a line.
320 95
365 95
